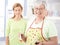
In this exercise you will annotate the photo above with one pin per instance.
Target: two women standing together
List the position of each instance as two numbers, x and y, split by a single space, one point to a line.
40 31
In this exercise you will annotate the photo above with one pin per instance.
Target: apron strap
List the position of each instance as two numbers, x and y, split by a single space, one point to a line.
42 31
32 23
41 28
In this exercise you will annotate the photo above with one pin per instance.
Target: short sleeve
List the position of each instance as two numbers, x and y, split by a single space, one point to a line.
7 28
52 30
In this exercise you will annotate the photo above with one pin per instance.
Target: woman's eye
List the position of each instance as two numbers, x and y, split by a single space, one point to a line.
18 10
36 8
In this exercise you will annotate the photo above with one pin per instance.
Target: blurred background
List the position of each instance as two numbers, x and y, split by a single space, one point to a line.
6 12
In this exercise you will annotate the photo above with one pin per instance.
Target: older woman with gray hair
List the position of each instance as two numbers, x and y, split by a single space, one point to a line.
41 31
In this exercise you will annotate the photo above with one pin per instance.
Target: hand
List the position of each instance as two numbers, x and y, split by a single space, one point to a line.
38 43
23 37
19 35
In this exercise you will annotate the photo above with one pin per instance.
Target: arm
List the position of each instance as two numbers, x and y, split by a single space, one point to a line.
7 40
52 41
52 35
7 32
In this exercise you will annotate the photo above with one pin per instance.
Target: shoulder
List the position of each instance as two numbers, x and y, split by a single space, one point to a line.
49 22
9 20
51 27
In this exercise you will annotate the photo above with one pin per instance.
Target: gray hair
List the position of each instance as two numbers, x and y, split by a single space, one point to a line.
38 2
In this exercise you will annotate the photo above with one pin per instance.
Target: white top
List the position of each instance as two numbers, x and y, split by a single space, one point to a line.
39 25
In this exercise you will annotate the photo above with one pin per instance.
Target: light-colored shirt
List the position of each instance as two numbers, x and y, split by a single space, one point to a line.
13 28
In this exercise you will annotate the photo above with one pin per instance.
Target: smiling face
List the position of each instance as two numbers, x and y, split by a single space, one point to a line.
39 10
17 11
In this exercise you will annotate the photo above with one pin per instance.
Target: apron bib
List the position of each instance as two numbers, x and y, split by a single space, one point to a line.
34 35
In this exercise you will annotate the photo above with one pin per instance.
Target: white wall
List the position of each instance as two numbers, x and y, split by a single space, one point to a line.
2 15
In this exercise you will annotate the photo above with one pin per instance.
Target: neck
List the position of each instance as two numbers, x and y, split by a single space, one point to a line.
17 18
39 19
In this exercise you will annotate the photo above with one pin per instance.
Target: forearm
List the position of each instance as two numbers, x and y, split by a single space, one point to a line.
50 43
7 40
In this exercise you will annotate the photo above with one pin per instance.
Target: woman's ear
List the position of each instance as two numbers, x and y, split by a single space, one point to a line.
45 12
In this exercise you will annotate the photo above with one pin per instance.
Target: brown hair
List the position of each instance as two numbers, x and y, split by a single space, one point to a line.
17 5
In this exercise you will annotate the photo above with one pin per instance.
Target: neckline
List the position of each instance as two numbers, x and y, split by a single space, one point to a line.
16 20
34 21
38 22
